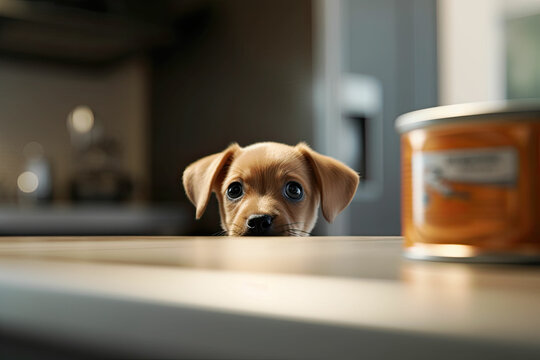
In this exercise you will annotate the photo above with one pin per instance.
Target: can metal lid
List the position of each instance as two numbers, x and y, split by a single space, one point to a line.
482 111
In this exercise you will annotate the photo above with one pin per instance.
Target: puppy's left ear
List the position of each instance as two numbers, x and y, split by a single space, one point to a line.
337 182
200 177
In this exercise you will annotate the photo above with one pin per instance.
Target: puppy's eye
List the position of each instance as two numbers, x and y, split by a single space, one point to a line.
293 191
235 190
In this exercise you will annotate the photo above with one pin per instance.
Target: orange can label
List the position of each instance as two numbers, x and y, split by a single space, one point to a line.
460 187
472 185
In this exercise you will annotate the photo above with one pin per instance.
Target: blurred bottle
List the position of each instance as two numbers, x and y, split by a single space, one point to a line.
34 184
97 171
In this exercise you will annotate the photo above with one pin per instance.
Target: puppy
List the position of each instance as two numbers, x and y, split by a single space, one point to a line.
270 188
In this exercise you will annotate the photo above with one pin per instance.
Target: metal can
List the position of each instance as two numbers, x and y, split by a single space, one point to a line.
470 182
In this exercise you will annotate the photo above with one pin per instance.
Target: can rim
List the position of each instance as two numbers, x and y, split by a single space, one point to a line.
492 110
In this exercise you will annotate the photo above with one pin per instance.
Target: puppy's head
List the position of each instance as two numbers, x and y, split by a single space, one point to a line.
270 188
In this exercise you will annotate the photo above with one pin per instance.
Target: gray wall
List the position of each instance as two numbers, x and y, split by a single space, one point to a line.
395 42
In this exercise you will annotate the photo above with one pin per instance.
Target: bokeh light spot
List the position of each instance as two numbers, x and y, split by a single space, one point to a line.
28 182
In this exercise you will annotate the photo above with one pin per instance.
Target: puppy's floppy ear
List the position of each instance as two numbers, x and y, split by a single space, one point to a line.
199 178
337 182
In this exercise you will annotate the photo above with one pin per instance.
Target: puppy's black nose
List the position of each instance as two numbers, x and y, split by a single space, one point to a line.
259 225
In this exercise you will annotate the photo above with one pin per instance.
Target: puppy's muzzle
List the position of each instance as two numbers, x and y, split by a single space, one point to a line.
259 225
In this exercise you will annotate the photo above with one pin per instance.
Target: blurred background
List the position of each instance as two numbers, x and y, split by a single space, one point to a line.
103 103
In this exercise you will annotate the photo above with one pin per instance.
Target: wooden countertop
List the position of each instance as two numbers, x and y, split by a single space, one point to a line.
219 297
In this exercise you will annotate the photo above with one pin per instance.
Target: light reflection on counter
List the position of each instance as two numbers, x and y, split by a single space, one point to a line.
449 285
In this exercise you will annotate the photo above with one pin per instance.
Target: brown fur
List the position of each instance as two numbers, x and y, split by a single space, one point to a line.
264 169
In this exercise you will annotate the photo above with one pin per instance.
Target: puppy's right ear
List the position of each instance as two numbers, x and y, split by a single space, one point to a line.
337 182
199 178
